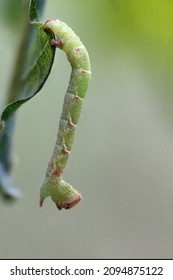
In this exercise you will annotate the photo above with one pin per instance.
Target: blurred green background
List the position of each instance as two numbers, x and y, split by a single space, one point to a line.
122 159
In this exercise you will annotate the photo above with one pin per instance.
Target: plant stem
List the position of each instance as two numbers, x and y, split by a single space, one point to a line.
6 135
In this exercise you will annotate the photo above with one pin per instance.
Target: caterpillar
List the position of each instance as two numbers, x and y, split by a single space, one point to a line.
61 192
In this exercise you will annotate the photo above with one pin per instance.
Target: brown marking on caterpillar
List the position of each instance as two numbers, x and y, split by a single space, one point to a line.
84 71
78 49
57 173
76 97
56 43
72 201
65 151
70 124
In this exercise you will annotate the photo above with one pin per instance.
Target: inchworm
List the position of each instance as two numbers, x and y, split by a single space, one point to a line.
62 193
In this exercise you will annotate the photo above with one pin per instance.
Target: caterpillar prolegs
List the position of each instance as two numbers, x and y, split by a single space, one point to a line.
62 193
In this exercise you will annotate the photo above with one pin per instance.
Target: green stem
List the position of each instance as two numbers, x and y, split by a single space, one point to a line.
13 89
6 133
62 193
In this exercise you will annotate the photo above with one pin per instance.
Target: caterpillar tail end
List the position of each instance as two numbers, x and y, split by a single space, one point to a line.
70 202
61 193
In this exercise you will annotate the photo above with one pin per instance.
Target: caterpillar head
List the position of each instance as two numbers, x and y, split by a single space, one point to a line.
52 25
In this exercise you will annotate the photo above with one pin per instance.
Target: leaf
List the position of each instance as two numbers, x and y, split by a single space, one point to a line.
33 65
38 69
36 9
36 61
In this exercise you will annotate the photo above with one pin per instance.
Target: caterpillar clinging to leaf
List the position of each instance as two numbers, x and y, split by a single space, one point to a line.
62 193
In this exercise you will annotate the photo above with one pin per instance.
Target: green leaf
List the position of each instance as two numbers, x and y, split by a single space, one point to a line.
34 61
36 9
32 67
36 71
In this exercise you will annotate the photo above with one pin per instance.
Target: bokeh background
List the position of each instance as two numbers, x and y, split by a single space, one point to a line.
122 159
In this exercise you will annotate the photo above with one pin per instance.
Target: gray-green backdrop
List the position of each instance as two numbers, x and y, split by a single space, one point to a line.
122 159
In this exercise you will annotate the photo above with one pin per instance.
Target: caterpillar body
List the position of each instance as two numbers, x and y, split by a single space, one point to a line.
62 193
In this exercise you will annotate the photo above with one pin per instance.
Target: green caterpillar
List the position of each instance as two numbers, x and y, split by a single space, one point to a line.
62 193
